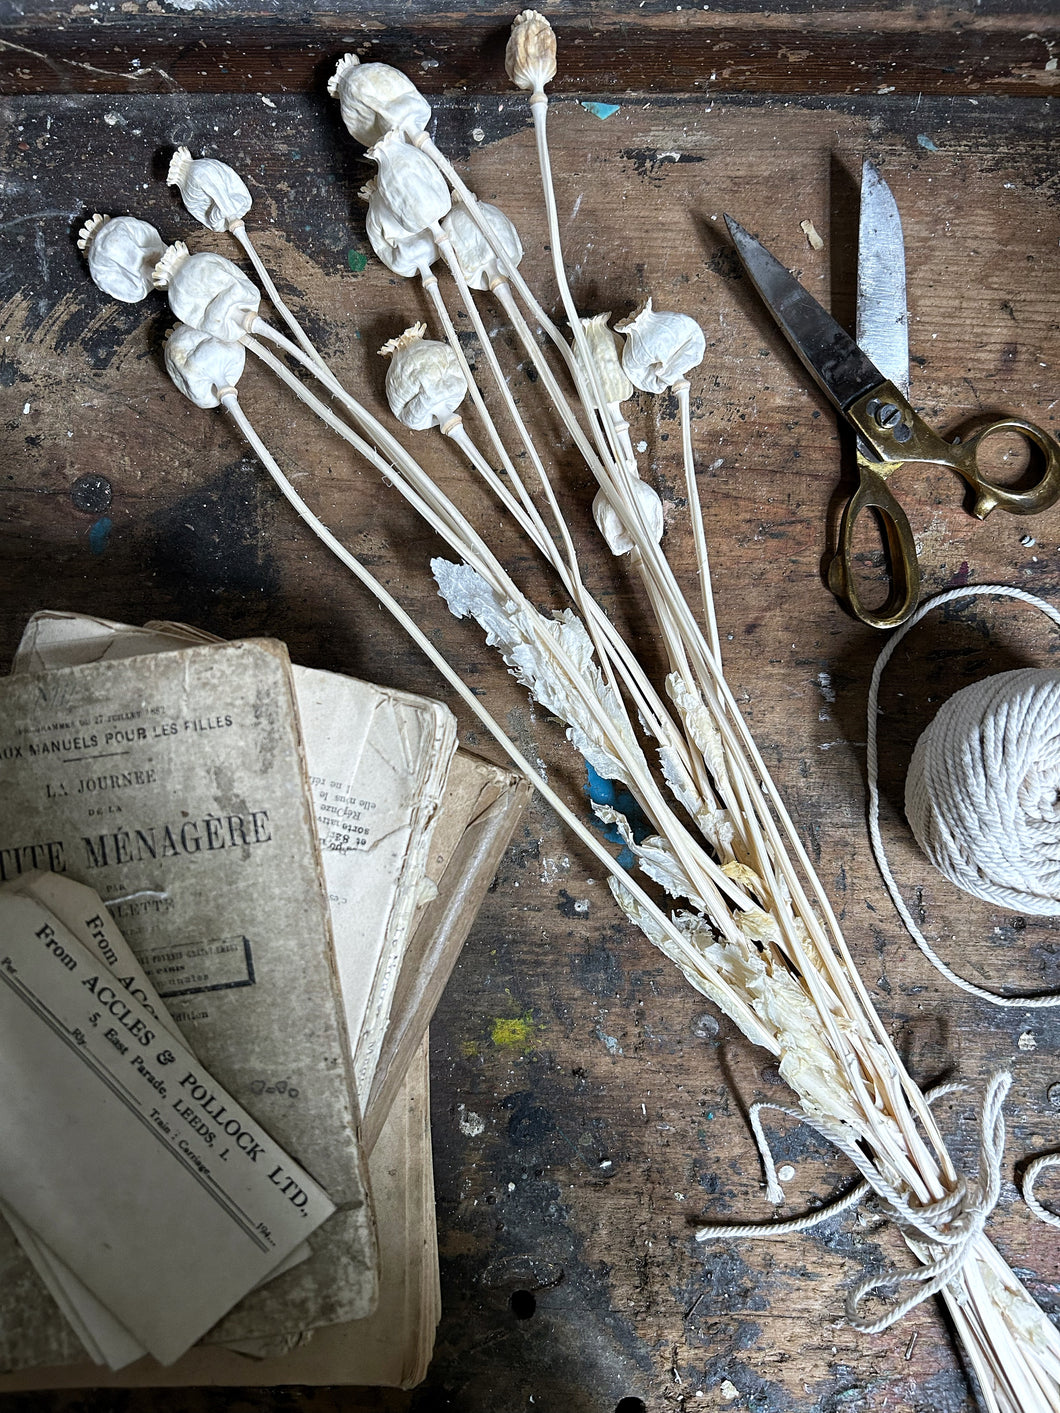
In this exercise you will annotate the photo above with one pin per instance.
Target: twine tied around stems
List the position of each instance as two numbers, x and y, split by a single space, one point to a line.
941 1233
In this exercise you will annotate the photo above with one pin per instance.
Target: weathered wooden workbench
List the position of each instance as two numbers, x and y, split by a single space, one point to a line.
589 1109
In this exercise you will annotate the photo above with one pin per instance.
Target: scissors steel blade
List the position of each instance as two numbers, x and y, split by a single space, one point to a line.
882 314
843 371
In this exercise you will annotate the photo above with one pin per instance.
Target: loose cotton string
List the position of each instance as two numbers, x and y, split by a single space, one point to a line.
982 797
941 1233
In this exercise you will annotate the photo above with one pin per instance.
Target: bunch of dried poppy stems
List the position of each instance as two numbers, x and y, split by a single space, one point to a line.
753 929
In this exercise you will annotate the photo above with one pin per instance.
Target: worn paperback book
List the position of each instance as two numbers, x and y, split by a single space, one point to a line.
175 785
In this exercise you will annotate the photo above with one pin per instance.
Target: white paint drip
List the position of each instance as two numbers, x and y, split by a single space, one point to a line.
471 1124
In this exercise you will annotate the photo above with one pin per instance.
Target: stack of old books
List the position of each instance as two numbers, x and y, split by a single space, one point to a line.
231 892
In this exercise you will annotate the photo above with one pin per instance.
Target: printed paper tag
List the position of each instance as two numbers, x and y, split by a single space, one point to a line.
135 1168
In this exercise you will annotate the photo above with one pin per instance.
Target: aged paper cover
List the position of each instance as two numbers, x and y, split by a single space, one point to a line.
174 785
123 1154
378 761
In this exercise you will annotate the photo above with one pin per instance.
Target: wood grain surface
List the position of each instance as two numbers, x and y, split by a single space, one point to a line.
589 1108
157 46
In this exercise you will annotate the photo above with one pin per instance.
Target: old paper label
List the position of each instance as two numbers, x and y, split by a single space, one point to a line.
123 1154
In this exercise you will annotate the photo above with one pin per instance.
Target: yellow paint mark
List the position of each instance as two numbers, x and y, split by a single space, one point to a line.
469 1049
516 1032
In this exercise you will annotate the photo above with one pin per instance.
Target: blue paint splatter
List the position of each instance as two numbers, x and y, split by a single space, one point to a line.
99 534
615 795
925 142
601 110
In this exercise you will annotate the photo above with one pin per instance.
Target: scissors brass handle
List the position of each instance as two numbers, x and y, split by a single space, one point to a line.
872 494
886 421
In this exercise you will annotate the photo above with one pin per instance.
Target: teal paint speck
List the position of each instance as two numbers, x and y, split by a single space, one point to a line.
99 534
618 797
925 142
601 110
356 260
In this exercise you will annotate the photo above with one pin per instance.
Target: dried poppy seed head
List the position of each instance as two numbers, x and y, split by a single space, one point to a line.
410 184
404 254
213 192
660 348
603 347
530 57
122 252
202 367
424 383
208 292
609 522
374 99
477 259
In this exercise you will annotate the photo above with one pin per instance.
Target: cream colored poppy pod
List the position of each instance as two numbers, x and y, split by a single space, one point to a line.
208 292
477 259
603 348
404 254
212 192
122 251
412 187
660 348
375 98
424 383
201 366
610 525
530 57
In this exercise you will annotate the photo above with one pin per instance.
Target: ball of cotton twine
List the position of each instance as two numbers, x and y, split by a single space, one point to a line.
982 790
981 794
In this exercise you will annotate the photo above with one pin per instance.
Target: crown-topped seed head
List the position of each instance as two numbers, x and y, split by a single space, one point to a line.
208 292
477 259
374 99
122 252
214 193
424 383
603 348
200 365
660 348
530 57
412 187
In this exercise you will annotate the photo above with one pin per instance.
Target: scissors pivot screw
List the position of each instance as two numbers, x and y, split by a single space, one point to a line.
889 417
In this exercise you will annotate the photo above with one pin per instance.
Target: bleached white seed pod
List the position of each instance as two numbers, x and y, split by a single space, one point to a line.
383 219
375 98
530 56
660 348
424 383
414 190
603 347
471 248
208 292
610 525
121 251
201 366
212 192
405 254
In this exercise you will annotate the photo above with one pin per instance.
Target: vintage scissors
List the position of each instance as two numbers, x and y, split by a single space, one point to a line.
868 381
